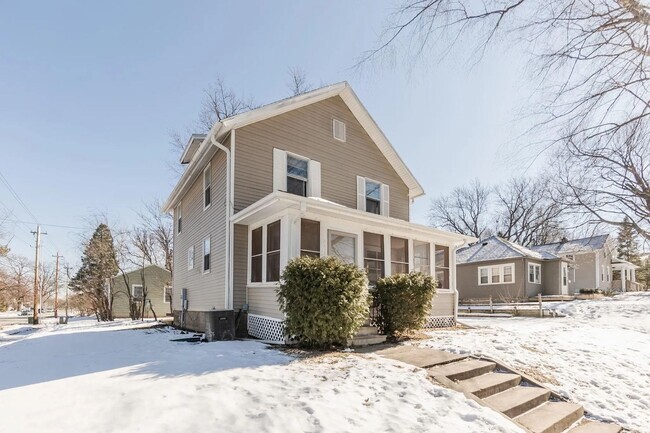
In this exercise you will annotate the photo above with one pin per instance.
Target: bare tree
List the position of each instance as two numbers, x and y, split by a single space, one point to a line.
298 84
463 211
17 282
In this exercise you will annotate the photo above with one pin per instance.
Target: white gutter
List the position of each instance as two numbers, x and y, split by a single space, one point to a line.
229 211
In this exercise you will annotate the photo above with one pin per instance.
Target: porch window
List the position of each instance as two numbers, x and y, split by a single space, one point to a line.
534 273
421 257
273 252
207 184
309 238
373 197
297 175
343 246
256 255
137 290
373 256
399 256
206 255
442 267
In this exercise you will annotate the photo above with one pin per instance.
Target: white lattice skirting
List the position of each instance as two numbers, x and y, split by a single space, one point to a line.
440 322
266 328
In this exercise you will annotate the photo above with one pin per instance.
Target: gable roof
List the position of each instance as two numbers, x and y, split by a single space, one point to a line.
223 127
140 269
582 245
496 248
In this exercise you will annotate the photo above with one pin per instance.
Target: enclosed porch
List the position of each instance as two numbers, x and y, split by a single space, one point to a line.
283 226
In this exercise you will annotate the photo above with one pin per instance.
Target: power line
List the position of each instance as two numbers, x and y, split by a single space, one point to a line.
17 197
48 225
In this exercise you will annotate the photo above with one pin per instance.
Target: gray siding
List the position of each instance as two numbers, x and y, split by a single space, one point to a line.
205 291
468 287
264 302
533 289
552 278
585 272
307 131
155 279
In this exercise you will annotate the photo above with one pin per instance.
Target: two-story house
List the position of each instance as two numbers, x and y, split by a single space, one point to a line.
308 175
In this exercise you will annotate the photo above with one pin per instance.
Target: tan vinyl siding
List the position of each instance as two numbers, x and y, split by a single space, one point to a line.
205 291
307 132
263 301
155 279
240 273
443 304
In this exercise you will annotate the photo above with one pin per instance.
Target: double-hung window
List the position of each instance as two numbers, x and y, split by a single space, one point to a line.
137 290
399 256
206 254
373 197
207 187
297 175
309 238
496 274
442 267
265 253
422 257
534 273
373 256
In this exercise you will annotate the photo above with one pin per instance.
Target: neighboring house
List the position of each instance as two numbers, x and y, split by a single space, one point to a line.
593 261
503 270
157 282
308 175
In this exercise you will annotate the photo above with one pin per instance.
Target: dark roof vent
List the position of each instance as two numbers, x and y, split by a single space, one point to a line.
485 243
564 240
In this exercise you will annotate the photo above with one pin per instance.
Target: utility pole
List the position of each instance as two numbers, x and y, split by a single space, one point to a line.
36 289
67 285
56 286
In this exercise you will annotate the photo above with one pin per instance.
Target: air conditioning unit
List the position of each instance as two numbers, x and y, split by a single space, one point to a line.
220 326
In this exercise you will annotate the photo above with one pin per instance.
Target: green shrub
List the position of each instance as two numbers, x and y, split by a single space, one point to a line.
325 300
404 302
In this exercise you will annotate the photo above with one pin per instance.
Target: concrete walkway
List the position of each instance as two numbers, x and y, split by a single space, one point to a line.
516 396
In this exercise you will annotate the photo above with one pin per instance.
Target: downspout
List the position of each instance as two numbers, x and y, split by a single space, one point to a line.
228 218
456 296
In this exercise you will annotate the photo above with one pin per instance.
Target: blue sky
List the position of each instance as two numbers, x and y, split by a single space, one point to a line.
90 91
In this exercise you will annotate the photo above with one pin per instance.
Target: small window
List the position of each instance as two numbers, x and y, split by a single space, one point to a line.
373 256
137 290
179 219
167 294
496 274
297 175
256 255
206 254
484 275
338 130
343 246
207 187
442 267
422 257
309 238
373 197
273 252
534 273
399 256
190 258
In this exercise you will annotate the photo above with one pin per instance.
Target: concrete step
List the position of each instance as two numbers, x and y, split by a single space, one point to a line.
489 384
422 357
366 340
515 401
462 370
551 417
589 426
368 330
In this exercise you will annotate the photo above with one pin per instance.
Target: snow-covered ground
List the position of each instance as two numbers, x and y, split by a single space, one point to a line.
598 355
113 378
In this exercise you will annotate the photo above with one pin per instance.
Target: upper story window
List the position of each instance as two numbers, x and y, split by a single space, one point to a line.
179 219
422 257
338 130
373 256
297 175
372 196
265 253
309 238
534 273
206 254
442 267
399 255
207 187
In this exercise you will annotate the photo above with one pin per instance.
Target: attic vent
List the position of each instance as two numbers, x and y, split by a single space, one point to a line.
485 243
338 130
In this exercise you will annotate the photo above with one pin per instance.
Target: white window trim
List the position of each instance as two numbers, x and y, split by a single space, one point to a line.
535 265
190 258
344 128
206 169
300 178
133 286
203 256
165 301
283 252
501 273
384 195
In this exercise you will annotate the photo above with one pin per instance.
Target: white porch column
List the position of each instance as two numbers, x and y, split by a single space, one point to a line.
387 269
